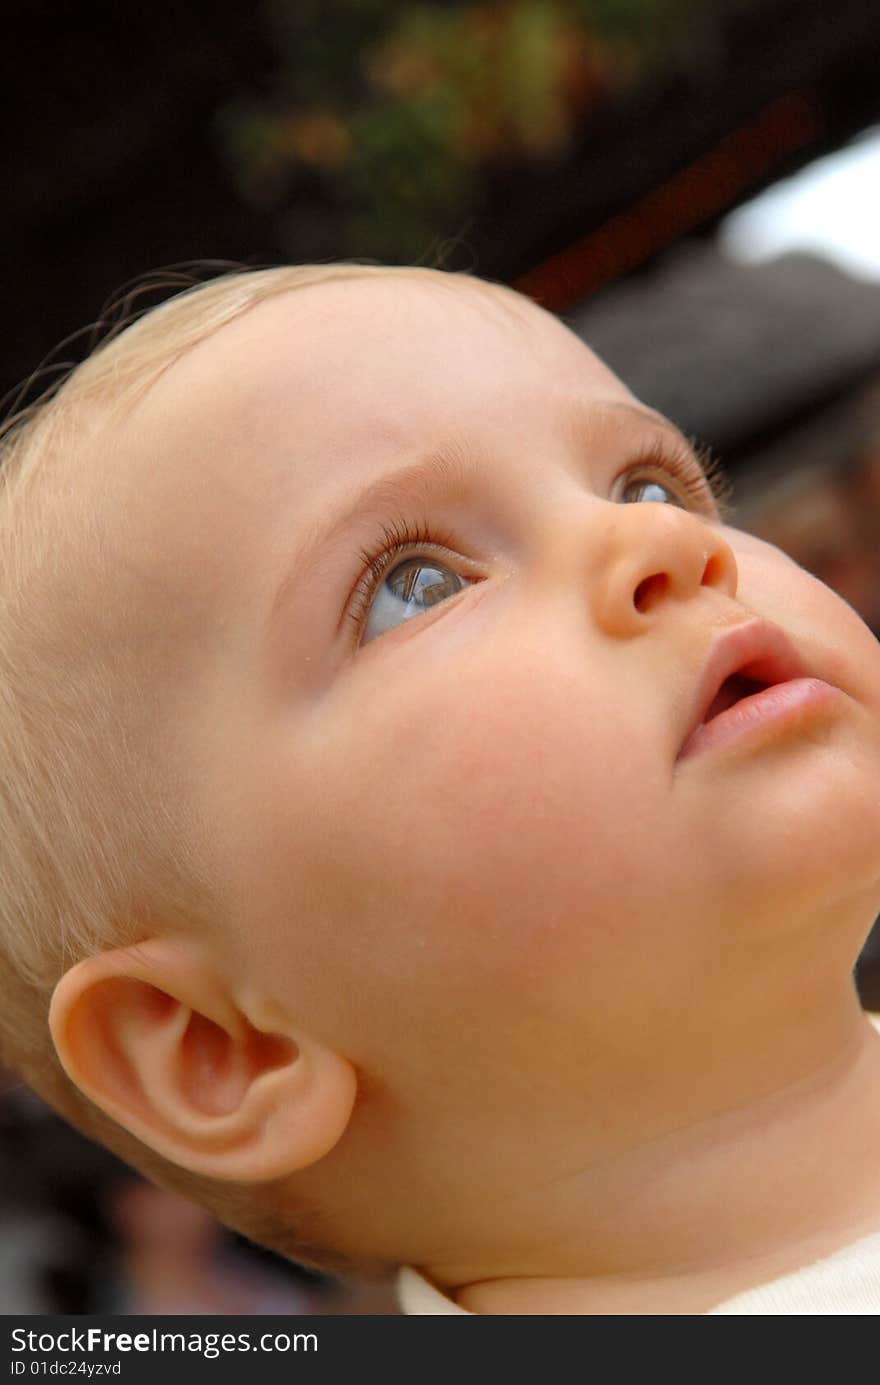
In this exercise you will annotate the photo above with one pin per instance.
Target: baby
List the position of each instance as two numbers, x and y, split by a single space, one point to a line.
431 836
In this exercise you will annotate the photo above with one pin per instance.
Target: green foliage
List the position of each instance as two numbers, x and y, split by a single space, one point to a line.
385 117
636 21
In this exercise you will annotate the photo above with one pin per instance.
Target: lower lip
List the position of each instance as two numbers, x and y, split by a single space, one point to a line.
782 706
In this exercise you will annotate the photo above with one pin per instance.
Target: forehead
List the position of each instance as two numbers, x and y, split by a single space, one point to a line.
249 433
386 346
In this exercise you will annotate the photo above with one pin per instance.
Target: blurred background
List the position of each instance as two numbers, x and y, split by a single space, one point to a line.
694 185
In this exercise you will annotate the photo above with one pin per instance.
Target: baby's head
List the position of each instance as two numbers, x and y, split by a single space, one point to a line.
356 629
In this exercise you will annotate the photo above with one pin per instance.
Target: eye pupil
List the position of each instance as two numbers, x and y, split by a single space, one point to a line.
420 582
648 492
407 589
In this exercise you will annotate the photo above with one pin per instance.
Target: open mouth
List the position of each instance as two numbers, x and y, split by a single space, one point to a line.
753 676
733 690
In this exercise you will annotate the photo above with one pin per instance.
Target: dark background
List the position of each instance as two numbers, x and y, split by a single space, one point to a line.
122 151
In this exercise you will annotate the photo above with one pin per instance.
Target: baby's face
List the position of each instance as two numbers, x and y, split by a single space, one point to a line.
437 598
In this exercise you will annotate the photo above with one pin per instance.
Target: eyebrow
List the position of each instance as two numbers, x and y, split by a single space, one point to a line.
419 480
584 417
446 468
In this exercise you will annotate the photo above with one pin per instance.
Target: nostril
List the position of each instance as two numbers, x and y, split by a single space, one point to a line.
713 572
650 590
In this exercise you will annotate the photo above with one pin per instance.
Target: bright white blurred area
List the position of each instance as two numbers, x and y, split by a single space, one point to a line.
831 209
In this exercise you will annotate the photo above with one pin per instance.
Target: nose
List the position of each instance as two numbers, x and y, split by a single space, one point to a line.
656 554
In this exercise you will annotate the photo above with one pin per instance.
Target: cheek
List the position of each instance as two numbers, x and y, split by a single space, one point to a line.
484 826
770 578
832 636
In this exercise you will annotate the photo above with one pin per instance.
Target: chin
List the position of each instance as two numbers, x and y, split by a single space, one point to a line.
799 848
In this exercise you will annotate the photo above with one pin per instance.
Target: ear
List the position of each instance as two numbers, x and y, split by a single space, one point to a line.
220 1085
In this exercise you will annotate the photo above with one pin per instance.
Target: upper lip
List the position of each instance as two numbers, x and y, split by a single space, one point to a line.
755 650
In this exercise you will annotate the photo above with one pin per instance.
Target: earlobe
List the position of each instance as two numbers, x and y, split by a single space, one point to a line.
151 1035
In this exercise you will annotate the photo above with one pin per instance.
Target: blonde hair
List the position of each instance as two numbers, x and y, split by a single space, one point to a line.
91 841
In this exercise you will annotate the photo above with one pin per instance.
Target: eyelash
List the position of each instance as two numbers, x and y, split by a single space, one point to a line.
698 470
396 538
699 474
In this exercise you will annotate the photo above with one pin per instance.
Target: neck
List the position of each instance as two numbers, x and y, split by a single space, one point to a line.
693 1215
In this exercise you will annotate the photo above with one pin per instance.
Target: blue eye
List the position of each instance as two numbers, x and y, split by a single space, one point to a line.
645 490
407 590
